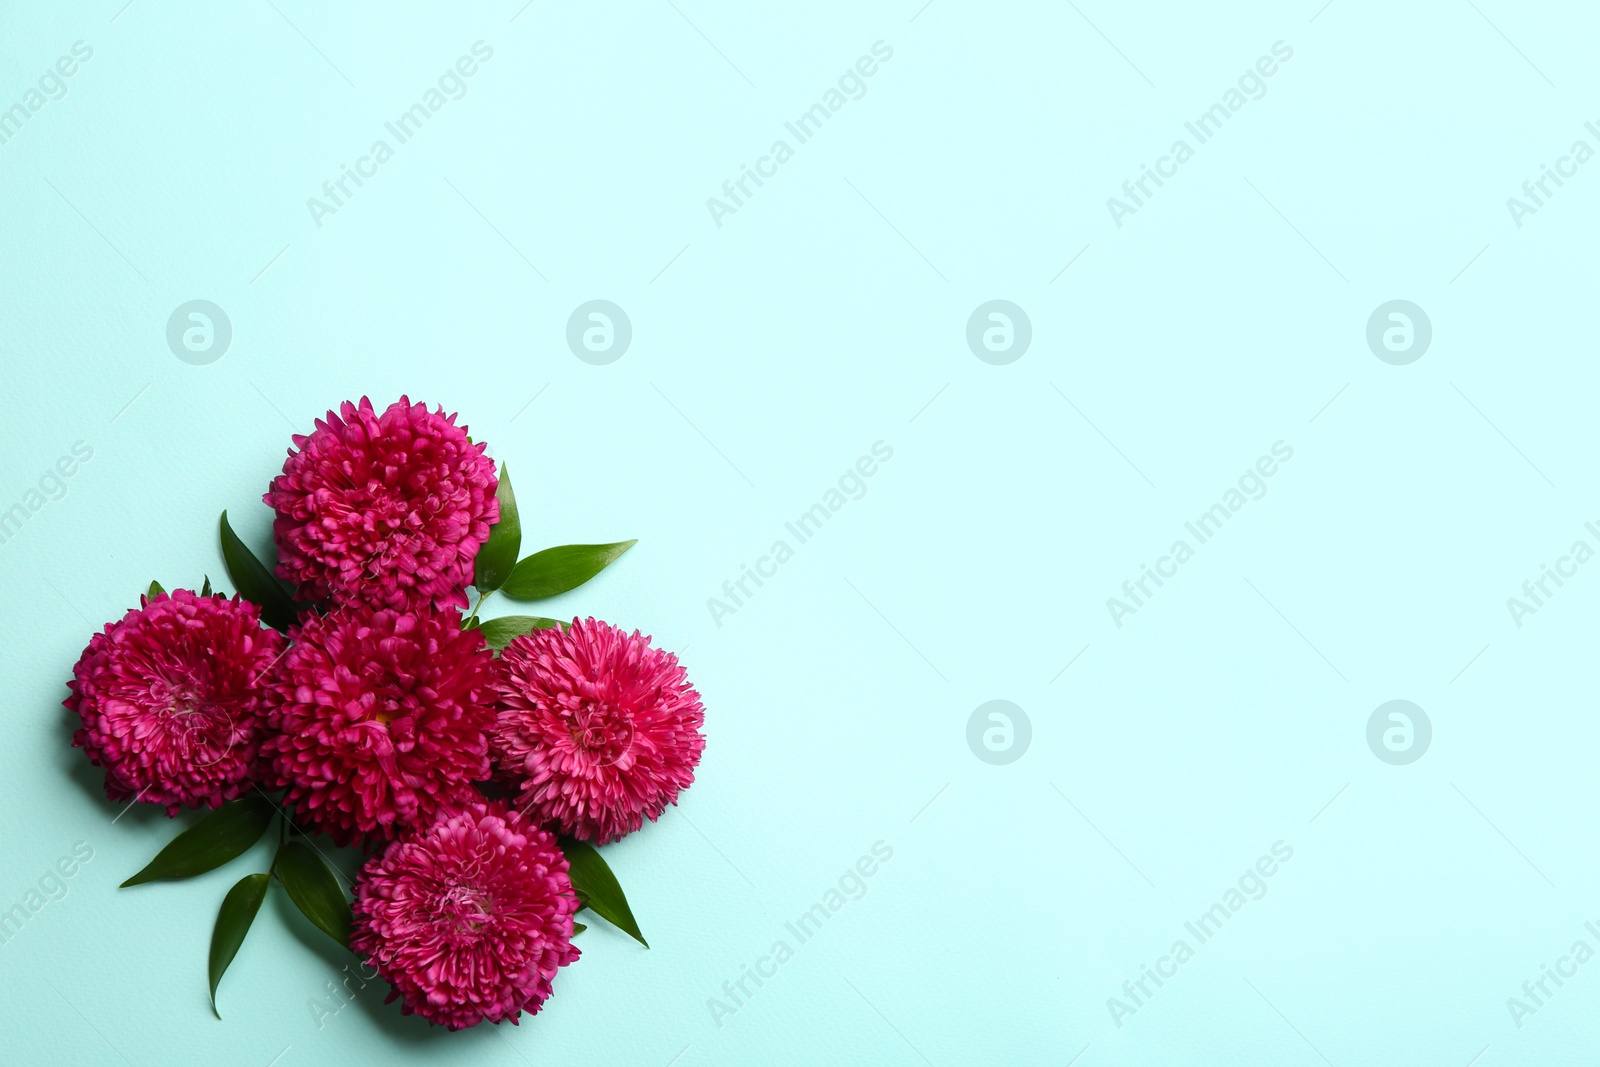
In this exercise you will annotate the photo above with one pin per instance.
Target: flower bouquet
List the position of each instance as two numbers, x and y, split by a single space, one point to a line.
350 696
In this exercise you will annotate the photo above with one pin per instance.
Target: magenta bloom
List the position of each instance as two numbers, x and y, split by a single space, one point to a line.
386 509
468 919
597 729
171 699
382 718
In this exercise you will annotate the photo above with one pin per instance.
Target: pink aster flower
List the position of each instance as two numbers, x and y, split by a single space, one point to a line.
381 718
171 699
597 729
468 919
388 509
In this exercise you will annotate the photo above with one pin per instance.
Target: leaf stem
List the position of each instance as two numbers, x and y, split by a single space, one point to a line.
283 836
472 617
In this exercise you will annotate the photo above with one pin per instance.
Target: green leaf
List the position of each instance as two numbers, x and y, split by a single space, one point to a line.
498 555
238 911
556 570
502 631
218 837
597 887
315 889
578 928
255 582
205 590
155 587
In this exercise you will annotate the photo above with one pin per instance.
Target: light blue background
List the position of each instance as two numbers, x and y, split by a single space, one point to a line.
768 354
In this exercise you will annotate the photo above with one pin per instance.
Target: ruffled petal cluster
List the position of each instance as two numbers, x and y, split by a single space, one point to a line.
171 698
469 918
381 718
386 509
596 729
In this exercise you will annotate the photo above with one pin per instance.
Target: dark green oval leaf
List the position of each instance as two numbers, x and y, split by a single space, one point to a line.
502 631
155 587
498 555
315 889
556 570
597 887
238 911
255 582
218 837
